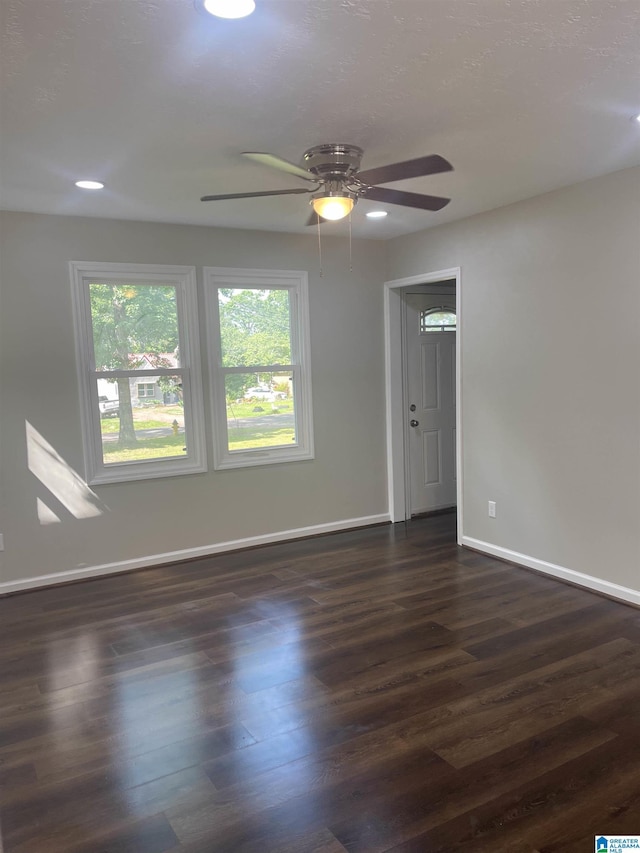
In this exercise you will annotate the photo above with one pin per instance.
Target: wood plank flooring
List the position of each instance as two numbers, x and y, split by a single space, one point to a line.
376 690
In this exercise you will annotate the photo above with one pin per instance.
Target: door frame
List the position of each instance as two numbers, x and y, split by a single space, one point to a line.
395 392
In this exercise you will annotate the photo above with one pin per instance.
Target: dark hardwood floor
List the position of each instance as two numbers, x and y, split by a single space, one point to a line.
376 690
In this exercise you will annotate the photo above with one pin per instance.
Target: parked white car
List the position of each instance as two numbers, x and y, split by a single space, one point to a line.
263 392
260 392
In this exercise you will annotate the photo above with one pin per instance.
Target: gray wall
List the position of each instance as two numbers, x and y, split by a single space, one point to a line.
551 398
346 480
551 359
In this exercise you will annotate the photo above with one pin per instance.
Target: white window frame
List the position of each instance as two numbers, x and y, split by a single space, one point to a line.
146 386
183 278
295 281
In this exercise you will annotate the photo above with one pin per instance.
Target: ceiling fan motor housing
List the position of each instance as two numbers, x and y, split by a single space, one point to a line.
333 161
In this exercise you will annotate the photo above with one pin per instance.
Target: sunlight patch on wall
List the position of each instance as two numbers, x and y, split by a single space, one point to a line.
60 479
46 515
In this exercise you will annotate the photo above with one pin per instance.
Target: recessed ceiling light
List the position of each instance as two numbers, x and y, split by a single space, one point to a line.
637 118
229 8
377 214
90 185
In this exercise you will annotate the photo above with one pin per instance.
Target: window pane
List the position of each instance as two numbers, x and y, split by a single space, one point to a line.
141 420
135 326
259 355
140 320
255 326
260 411
437 320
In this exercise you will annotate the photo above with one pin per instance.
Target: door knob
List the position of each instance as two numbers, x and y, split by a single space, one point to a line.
414 423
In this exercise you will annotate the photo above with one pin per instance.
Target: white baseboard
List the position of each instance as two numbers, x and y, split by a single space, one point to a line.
613 590
191 553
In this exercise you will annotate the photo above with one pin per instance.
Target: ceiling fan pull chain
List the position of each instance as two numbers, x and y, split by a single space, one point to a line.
350 253
319 245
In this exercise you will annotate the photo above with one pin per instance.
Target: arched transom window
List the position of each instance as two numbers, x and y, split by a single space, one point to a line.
437 320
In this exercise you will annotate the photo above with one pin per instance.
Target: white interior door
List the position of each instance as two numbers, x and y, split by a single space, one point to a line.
431 393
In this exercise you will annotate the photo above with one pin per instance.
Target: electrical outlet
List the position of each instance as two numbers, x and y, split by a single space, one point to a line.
492 509
1 542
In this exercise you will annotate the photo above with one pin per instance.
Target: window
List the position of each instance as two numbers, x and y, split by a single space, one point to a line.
259 354
138 368
437 320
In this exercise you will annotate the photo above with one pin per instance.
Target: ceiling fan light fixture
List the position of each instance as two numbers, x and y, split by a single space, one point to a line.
229 8
333 207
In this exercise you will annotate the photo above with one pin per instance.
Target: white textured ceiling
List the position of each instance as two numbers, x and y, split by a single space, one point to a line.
157 100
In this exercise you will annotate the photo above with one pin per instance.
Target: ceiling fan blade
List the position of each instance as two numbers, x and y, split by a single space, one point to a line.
424 202
430 165
278 163
253 195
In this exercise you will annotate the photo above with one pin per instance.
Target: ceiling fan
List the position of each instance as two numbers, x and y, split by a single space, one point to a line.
335 169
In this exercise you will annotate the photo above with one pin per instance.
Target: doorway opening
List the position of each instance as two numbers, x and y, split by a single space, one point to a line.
423 394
